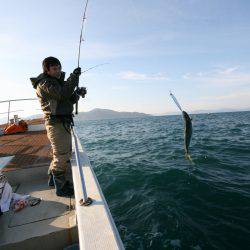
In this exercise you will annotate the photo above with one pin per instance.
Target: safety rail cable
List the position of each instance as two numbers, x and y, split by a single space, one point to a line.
15 100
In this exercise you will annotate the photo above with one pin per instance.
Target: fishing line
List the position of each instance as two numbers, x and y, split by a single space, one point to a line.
98 65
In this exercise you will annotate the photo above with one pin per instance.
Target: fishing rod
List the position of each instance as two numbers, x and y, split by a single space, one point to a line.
86 70
98 65
79 46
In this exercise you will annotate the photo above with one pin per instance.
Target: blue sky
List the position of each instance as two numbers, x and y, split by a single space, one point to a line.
198 49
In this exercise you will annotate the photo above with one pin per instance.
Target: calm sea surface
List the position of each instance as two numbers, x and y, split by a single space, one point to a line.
157 198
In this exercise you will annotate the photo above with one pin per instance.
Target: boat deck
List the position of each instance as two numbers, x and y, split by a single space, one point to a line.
51 223
24 159
29 149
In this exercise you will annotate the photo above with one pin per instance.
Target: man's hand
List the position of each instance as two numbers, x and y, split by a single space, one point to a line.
77 71
81 91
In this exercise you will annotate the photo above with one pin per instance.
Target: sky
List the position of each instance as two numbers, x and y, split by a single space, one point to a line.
198 49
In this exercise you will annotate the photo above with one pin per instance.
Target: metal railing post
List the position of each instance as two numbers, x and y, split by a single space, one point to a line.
8 114
15 100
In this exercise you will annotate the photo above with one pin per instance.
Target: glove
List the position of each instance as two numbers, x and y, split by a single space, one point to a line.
81 91
77 71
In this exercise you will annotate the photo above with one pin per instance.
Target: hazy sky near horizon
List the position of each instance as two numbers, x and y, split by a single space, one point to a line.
198 49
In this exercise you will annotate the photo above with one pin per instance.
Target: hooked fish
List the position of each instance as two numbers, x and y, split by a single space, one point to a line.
188 130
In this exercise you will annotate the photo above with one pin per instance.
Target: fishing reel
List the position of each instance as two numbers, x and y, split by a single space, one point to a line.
81 91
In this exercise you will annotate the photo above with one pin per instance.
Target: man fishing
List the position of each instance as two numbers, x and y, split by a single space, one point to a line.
188 130
57 98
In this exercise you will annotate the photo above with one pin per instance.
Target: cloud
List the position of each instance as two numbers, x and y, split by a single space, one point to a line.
139 46
233 95
231 76
228 71
235 100
10 48
132 75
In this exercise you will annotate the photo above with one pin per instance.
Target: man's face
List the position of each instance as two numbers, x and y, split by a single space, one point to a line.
55 71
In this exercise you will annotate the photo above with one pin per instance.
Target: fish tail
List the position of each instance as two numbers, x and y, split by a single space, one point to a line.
188 157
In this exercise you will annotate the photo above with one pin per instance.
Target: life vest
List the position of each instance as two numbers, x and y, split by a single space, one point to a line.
13 128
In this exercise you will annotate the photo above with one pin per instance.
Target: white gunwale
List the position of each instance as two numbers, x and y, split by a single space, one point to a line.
96 227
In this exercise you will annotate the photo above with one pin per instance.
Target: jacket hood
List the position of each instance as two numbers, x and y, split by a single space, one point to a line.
36 80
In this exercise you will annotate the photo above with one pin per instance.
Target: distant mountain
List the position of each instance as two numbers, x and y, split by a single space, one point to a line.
95 114
99 114
30 117
4 120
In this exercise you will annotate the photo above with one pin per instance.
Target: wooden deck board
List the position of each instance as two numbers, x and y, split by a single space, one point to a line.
29 149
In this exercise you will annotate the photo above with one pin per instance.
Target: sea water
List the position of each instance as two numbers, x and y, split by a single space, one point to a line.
158 199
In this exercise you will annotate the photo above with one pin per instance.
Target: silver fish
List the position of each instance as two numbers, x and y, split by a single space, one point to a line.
188 130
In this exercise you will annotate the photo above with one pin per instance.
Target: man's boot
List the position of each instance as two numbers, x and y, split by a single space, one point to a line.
62 186
51 180
52 184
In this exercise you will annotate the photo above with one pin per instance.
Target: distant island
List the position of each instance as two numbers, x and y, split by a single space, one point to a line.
208 111
99 114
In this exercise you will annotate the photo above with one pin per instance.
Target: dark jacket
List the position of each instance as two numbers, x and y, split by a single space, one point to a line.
56 95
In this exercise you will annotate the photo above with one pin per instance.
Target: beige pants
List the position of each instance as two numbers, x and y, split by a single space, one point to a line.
61 145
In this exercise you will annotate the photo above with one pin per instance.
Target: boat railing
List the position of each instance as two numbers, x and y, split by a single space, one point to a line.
14 100
85 200
94 219
96 227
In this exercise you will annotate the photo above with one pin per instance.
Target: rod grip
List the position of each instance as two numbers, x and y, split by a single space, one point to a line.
76 111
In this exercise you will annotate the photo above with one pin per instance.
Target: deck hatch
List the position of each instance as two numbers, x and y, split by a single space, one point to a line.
50 207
